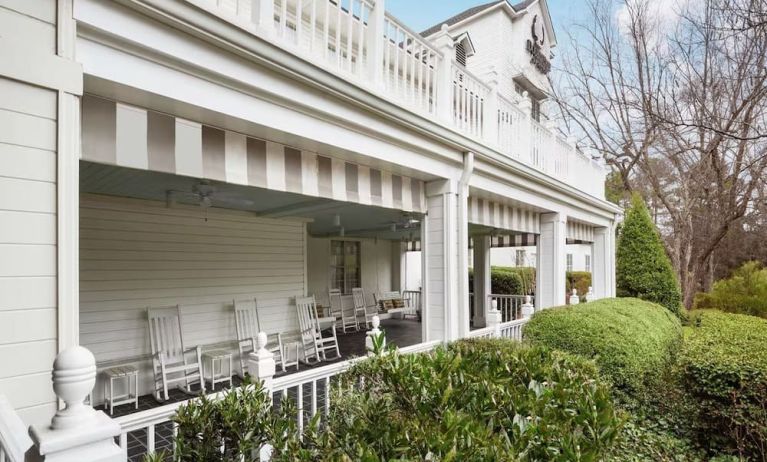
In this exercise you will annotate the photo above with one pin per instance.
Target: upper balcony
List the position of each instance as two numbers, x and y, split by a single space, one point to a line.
359 41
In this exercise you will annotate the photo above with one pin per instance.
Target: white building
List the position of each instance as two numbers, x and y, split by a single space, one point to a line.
189 152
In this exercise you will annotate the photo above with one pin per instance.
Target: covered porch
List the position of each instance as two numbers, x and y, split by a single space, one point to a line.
245 218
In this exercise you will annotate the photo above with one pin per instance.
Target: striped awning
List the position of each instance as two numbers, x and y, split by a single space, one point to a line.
495 215
127 136
578 233
510 240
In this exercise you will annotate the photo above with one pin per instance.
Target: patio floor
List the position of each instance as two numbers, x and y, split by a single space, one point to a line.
398 332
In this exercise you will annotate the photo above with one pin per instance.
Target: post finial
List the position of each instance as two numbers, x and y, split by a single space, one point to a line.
74 375
261 340
376 321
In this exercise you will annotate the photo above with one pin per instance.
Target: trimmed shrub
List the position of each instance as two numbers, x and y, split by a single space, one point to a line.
631 340
474 401
724 369
581 280
509 281
745 292
643 270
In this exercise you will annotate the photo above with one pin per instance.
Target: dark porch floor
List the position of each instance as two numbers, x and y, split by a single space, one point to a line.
401 333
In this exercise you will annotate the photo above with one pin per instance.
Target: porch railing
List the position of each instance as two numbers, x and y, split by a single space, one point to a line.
413 298
510 306
359 41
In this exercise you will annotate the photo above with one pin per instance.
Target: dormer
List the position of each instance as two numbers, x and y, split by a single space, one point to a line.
511 41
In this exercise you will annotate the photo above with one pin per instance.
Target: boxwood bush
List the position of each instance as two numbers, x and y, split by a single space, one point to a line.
509 281
745 292
579 280
631 340
724 369
474 401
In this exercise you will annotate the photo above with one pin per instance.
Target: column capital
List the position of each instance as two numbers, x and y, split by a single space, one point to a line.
441 187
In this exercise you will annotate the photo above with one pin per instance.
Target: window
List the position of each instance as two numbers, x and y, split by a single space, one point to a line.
460 53
569 262
345 265
535 111
588 263
520 260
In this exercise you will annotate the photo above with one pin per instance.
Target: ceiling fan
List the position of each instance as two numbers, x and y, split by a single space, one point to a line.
204 193
406 221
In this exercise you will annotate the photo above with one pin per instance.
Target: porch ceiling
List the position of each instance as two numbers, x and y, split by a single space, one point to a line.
357 220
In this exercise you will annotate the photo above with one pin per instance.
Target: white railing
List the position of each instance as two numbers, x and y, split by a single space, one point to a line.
361 42
14 441
509 330
510 119
412 298
510 306
469 98
410 66
335 32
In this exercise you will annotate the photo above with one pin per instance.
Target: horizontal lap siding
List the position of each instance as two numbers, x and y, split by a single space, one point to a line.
28 138
136 254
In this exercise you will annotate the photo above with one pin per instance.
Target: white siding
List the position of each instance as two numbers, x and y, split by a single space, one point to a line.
27 239
137 254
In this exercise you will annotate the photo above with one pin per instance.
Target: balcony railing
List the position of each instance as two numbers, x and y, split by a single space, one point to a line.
359 41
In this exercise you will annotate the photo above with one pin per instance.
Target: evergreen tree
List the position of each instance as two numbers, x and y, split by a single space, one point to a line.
643 270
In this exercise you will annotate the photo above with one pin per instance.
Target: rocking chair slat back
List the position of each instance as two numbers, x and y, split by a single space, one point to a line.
165 333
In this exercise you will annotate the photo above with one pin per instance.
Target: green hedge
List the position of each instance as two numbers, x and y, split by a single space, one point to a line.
724 369
509 281
474 401
631 340
745 292
581 280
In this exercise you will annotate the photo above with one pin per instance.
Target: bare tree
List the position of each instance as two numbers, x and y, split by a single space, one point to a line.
678 108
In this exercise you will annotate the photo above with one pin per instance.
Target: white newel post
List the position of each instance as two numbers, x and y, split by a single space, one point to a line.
261 365
574 299
444 75
590 294
262 14
494 318
77 433
550 276
372 333
482 280
490 116
375 40
526 129
527 308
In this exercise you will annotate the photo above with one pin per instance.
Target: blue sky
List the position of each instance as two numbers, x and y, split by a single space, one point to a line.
421 14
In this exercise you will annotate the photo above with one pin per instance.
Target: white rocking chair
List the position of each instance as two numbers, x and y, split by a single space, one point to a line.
361 308
248 326
315 344
172 362
348 319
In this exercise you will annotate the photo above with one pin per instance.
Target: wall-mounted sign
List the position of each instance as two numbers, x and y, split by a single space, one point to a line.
534 46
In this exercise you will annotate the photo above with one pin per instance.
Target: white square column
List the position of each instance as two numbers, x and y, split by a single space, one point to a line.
551 264
399 269
445 269
603 263
482 282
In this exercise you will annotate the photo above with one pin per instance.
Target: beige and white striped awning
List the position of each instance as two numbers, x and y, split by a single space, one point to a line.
504 217
127 136
578 232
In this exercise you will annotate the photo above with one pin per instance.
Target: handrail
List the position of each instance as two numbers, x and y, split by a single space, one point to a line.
14 441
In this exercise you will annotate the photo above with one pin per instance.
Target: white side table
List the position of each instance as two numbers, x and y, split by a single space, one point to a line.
211 359
129 376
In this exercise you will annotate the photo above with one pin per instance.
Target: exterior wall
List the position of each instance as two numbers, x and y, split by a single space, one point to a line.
28 221
375 265
136 254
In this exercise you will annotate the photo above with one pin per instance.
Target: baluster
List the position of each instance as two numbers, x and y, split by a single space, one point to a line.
338 33
327 29
300 399
396 60
387 57
327 396
299 21
124 441
314 399
284 18
419 63
313 26
350 36
361 38
150 439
